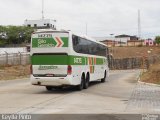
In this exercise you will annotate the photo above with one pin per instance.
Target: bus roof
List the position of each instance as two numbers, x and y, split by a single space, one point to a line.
92 39
49 31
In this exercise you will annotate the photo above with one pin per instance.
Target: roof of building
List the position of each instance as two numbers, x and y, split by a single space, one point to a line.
123 35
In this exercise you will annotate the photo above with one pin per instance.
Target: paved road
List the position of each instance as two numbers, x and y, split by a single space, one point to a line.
119 95
144 99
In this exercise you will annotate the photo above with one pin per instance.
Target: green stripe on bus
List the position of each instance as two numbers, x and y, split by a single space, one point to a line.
48 42
49 60
99 61
62 60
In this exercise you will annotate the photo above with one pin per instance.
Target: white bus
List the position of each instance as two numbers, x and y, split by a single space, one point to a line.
61 58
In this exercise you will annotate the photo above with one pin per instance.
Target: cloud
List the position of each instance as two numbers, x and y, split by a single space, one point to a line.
103 17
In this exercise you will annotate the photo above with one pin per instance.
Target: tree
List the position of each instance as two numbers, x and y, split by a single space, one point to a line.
157 39
3 36
28 31
15 34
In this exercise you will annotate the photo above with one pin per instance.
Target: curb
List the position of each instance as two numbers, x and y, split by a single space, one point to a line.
145 83
150 84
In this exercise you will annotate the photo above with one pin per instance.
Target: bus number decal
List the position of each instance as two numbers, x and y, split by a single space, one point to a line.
44 35
78 60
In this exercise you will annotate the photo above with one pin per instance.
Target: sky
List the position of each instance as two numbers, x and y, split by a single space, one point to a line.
102 17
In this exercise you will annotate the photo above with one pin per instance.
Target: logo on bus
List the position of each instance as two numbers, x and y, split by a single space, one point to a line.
42 67
43 43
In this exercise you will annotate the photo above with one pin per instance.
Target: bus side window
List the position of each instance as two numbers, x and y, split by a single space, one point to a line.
75 40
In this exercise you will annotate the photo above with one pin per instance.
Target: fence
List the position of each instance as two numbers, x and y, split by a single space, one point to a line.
118 63
14 58
133 63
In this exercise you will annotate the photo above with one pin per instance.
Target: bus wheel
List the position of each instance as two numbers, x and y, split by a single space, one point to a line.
49 88
86 82
58 88
81 85
104 79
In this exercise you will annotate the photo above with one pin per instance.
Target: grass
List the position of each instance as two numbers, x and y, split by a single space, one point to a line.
1 67
14 72
127 52
152 75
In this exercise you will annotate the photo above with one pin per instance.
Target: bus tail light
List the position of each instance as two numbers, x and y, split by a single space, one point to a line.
31 69
69 70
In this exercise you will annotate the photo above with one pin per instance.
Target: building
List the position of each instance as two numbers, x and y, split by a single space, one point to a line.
129 37
112 41
148 42
109 43
42 23
121 40
134 43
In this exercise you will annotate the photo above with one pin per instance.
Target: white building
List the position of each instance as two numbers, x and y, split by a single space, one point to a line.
42 23
124 39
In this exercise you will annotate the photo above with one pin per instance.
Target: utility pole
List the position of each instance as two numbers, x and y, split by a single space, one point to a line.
113 40
42 9
139 25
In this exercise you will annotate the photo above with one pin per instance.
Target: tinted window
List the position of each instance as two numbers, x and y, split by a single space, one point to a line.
81 45
101 50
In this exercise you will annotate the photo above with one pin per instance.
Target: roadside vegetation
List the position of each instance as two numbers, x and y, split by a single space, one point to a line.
12 35
129 52
152 75
157 39
14 72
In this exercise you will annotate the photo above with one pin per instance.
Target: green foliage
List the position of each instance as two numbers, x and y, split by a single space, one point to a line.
157 39
2 42
15 34
1 67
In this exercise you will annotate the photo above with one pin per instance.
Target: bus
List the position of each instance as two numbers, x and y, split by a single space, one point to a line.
61 58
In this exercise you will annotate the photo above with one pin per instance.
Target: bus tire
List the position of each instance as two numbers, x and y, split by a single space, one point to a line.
86 82
104 79
58 87
49 88
81 85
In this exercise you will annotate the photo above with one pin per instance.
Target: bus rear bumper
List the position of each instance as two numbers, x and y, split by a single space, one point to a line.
51 81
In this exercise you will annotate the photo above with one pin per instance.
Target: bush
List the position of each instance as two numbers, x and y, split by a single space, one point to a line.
15 34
